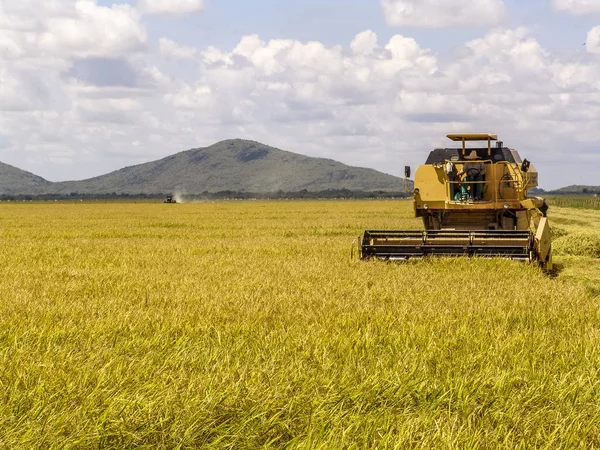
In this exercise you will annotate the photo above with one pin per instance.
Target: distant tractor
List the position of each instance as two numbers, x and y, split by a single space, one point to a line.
170 199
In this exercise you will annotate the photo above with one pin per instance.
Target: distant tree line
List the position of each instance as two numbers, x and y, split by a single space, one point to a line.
240 195
561 192
76 196
220 195
583 192
303 194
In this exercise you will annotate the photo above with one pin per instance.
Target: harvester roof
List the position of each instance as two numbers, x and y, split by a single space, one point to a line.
473 137
464 137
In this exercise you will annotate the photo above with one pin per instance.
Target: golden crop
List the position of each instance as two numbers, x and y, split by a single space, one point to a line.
246 325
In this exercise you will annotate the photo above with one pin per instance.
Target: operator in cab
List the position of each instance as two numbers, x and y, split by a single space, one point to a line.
475 173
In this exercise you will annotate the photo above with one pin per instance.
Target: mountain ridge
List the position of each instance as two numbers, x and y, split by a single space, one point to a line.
15 181
577 189
230 165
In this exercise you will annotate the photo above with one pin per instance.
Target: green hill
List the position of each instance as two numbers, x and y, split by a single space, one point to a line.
15 181
577 189
235 165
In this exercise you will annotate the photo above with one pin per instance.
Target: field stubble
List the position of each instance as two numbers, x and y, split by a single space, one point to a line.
245 325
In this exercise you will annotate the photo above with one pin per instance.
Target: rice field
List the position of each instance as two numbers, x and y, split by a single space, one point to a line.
575 201
246 325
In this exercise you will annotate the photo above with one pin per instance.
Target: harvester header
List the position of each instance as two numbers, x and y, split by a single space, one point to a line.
473 202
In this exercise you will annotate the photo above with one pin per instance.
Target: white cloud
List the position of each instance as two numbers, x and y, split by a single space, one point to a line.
29 15
364 43
577 7
95 31
593 40
444 13
62 30
11 97
172 50
406 53
213 55
512 47
174 7
194 98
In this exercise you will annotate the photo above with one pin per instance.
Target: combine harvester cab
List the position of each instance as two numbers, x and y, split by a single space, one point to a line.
473 202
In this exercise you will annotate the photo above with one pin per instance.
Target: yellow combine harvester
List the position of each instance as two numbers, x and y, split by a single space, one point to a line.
473 202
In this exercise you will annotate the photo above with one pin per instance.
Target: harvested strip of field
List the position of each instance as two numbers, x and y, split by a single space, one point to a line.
577 248
242 325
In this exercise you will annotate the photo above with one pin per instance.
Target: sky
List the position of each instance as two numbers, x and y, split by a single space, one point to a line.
92 86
